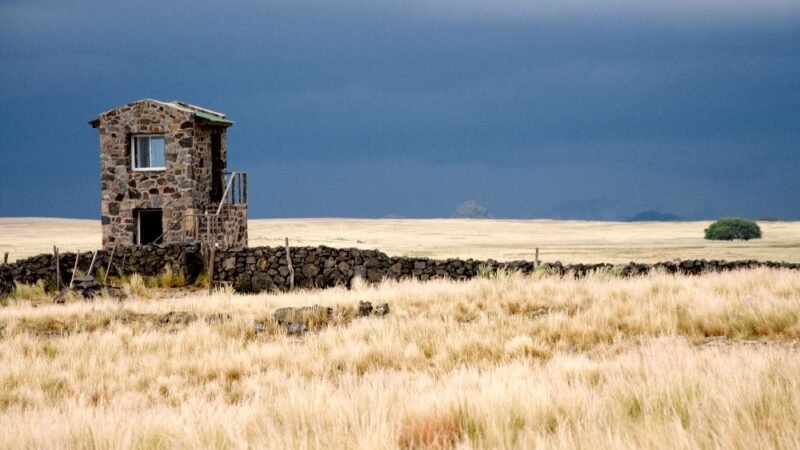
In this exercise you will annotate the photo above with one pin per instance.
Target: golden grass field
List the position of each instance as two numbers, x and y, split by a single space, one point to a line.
511 362
514 361
503 240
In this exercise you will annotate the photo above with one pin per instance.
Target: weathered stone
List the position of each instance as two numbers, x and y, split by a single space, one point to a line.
382 309
364 308
261 282
229 263
177 317
310 270
60 298
259 326
296 329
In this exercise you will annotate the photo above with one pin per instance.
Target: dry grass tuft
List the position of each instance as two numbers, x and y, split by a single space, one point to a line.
437 430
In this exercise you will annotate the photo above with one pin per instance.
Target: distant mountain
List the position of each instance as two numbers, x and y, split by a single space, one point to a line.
653 216
471 210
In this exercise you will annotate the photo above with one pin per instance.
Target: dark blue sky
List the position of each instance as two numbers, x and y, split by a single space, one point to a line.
356 108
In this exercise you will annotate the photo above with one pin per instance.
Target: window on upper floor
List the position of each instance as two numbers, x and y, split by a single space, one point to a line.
147 152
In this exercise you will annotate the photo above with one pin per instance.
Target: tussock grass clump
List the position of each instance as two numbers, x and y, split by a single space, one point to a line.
22 292
169 279
135 286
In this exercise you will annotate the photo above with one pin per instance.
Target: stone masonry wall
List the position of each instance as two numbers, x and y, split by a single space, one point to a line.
181 190
146 260
234 232
124 189
265 269
202 195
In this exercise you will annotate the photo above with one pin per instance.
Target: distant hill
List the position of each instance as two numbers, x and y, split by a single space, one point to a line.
653 216
471 210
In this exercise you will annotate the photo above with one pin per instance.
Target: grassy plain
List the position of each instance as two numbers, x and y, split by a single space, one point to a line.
511 362
566 241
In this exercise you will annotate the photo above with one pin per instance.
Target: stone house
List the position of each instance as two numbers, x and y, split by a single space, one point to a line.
164 178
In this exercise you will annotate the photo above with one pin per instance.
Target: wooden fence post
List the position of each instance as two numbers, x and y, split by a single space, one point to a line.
289 264
58 268
111 258
91 265
536 261
211 257
75 268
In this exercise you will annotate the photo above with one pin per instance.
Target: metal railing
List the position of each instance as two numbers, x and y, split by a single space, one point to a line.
210 224
235 190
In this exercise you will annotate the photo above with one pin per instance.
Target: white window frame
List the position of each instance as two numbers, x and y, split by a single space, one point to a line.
133 153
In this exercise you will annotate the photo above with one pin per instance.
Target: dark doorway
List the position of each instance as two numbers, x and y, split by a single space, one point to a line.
148 226
217 168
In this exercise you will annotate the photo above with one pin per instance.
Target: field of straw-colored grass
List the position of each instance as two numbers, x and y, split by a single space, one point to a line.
503 240
510 362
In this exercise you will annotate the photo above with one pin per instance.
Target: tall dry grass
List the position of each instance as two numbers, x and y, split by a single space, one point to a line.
511 362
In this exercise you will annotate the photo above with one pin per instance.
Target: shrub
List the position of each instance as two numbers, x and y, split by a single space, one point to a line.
242 285
731 228
202 280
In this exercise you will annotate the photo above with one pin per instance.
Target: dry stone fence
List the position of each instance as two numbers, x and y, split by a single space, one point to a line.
259 269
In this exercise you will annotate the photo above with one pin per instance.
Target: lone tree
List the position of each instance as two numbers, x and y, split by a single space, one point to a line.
731 228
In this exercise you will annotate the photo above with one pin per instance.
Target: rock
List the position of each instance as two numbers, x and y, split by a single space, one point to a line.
86 286
296 329
177 317
259 326
229 263
218 318
261 282
310 270
317 314
61 298
344 267
115 292
382 309
364 309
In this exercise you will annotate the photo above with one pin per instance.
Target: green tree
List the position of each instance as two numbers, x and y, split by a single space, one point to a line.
730 228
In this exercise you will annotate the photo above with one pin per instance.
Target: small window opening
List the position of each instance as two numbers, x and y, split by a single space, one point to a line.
148 152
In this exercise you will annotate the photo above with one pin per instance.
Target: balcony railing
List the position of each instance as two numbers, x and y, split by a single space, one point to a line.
235 190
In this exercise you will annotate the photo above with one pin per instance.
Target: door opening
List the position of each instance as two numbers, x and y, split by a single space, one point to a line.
148 226
217 169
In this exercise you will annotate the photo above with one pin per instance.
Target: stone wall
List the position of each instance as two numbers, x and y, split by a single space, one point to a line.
124 189
234 226
146 260
265 268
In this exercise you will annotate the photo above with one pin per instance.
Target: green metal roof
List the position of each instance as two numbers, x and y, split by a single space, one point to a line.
211 117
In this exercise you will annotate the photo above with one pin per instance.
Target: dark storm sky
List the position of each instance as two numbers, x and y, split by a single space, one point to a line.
369 108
